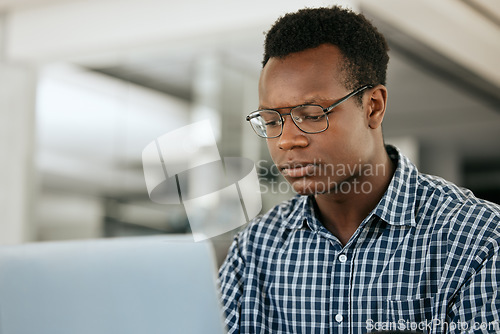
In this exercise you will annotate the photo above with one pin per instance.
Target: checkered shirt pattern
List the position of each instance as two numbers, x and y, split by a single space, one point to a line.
425 258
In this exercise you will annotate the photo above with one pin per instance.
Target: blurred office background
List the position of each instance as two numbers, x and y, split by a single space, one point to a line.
86 85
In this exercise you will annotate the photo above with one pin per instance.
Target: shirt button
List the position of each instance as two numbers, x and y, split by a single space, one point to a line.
342 258
339 318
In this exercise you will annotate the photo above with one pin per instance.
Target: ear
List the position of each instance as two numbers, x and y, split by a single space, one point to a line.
376 104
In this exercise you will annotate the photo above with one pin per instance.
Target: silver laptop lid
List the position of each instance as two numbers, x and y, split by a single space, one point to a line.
133 285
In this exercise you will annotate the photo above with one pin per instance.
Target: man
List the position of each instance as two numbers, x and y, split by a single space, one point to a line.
368 242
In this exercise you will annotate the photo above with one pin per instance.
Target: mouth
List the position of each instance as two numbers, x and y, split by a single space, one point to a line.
298 169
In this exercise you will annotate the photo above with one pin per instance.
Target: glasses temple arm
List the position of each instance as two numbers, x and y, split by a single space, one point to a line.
357 91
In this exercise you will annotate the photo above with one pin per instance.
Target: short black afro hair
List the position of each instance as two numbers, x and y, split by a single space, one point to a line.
364 48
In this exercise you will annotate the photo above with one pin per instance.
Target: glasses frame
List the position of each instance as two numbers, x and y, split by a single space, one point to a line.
326 110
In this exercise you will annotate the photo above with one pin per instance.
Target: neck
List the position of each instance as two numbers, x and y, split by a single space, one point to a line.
342 212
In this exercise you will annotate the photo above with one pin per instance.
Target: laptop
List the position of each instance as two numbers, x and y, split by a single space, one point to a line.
151 285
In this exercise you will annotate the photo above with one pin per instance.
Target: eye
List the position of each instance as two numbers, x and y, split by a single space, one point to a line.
270 118
308 113
272 123
315 118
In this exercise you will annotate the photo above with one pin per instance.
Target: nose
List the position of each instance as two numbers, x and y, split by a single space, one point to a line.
291 137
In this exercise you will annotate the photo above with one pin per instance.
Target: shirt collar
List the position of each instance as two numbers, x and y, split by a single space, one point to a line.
302 213
397 206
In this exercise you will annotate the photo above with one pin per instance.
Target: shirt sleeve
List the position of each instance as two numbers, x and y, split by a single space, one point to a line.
231 285
477 308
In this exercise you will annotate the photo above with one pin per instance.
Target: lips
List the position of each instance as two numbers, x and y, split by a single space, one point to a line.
298 169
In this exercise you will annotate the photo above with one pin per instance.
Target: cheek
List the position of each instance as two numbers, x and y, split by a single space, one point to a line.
345 138
359 145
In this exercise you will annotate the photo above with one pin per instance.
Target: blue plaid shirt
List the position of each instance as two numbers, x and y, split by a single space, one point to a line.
425 258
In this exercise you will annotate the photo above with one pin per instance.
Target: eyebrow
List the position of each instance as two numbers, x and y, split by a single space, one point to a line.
314 101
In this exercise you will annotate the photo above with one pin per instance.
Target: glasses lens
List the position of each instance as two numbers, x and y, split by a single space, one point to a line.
266 123
310 118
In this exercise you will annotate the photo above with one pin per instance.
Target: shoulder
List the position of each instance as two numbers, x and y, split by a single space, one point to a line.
451 202
465 223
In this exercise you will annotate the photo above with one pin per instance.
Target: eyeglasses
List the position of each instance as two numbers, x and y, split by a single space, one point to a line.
309 118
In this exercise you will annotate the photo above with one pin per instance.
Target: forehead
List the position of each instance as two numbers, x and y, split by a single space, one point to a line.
311 74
